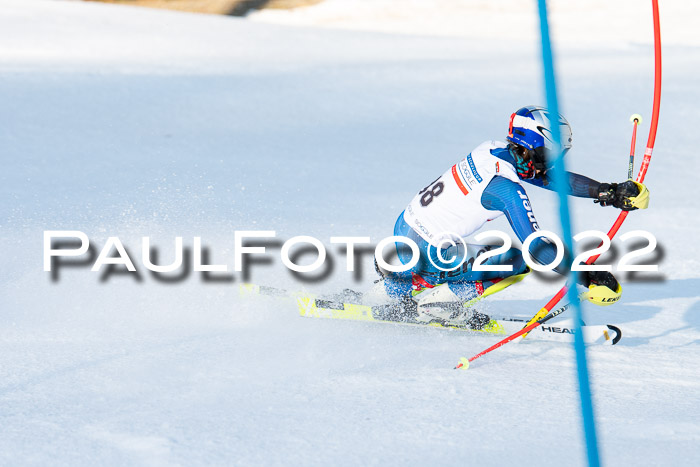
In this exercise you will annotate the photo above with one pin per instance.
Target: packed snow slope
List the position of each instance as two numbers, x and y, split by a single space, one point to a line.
127 122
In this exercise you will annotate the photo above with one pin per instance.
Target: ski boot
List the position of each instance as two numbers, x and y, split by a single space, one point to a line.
440 305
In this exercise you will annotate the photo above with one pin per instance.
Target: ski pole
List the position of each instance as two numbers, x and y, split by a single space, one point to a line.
464 362
636 119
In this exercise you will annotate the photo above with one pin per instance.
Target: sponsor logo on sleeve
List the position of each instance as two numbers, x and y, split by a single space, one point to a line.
530 214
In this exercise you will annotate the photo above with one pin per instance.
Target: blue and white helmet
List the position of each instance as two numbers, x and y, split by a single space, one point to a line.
531 127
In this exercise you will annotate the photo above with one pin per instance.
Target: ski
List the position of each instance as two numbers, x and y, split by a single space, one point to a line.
346 308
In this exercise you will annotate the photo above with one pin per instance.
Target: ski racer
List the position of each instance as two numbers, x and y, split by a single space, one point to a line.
487 184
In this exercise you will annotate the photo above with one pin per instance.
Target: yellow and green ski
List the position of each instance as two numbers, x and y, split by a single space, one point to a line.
311 306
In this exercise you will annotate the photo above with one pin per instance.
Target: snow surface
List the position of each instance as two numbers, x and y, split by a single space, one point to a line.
129 122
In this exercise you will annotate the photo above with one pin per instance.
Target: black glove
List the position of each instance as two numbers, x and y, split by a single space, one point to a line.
598 278
622 195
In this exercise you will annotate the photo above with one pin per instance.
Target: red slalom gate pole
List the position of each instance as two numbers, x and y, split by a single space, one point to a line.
647 153
540 317
650 143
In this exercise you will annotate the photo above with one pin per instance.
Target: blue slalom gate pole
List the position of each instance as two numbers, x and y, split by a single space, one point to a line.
560 184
